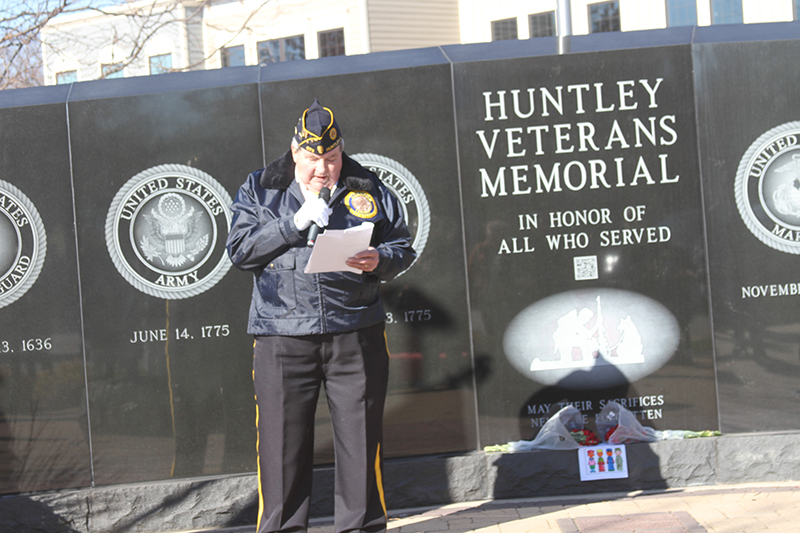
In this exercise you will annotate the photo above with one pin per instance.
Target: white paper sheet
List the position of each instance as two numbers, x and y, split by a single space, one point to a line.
335 246
604 461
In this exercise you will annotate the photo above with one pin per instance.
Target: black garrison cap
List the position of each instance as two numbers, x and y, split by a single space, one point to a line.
317 131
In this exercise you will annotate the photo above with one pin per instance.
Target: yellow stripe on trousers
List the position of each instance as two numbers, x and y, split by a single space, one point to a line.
378 473
258 456
379 478
258 473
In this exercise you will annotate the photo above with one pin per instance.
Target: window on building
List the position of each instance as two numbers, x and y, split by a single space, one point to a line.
503 30
233 56
284 49
726 12
331 42
112 70
68 76
796 9
681 12
160 64
604 16
543 24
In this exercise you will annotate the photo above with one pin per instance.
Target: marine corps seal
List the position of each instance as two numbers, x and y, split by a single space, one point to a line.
165 231
402 183
23 244
767 188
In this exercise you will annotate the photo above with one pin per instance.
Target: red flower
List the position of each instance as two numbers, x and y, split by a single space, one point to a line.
584 437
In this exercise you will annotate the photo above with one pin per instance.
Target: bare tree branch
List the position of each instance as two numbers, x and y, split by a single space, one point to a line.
21 22
137 23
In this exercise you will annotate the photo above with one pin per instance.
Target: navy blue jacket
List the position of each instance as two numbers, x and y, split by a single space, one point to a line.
264 240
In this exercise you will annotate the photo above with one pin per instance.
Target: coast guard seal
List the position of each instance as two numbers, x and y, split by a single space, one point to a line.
402 183
165 231
767 188
23 244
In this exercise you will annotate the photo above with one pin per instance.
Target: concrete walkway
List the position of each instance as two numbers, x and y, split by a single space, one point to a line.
750 508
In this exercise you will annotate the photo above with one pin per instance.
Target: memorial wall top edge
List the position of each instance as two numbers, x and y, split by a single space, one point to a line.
164 83
33 96
400 59
343 65
610 41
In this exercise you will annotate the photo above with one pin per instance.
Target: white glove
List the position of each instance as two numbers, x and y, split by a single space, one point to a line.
314 211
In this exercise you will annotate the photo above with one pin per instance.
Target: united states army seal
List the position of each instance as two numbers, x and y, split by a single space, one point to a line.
767 188
23 244
165 231
402 183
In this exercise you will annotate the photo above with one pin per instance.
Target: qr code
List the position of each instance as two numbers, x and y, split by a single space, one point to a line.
585 267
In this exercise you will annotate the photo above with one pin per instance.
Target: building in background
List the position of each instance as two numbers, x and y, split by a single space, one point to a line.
523 19
146 37
138 39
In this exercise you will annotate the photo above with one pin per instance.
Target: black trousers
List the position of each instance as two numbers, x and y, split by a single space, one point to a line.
288 373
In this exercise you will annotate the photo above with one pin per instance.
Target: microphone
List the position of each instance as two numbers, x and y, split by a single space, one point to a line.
313 231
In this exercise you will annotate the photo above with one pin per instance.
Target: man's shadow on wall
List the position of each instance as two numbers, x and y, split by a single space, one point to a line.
548 473
556 472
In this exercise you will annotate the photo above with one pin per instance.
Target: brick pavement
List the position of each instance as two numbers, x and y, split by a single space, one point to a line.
745 508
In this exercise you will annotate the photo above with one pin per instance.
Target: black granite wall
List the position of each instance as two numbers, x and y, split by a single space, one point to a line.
618 223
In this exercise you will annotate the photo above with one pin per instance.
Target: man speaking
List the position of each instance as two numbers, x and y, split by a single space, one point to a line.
312 329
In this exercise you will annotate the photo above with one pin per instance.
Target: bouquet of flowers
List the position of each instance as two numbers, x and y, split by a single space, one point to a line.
584 437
